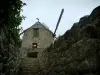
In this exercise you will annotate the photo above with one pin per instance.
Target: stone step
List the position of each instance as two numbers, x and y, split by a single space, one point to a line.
30 66
29 73
30 70
30 63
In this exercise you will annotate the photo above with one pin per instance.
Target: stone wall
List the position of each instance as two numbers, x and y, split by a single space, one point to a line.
40 55
27 39
43 40
32 65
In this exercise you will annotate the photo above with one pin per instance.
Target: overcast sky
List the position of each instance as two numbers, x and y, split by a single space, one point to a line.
48 12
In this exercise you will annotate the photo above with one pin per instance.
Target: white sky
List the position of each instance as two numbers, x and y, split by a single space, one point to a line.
48 11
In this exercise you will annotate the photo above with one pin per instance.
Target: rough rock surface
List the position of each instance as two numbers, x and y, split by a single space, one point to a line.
77 52
9 57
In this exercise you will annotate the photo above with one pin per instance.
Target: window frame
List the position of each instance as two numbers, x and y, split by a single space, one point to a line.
33 45
35 32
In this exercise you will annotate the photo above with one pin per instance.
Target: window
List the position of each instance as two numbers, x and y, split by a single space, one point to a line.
26 34
34 45
36 32
32 54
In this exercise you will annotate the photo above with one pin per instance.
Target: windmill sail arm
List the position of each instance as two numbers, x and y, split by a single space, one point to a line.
58 21
23 32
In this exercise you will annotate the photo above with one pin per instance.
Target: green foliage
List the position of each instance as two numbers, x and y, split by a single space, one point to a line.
11 18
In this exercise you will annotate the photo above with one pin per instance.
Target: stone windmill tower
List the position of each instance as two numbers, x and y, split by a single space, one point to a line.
38 36
35 39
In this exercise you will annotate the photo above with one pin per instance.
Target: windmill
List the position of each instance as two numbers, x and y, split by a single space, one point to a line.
54 34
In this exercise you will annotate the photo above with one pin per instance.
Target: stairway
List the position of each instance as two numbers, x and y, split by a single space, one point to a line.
30 66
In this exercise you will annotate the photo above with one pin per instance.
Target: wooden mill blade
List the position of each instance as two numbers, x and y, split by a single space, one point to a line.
58 22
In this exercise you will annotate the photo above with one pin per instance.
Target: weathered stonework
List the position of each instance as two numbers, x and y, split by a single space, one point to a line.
32 65
44 39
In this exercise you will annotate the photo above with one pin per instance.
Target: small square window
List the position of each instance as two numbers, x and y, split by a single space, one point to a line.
34 45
